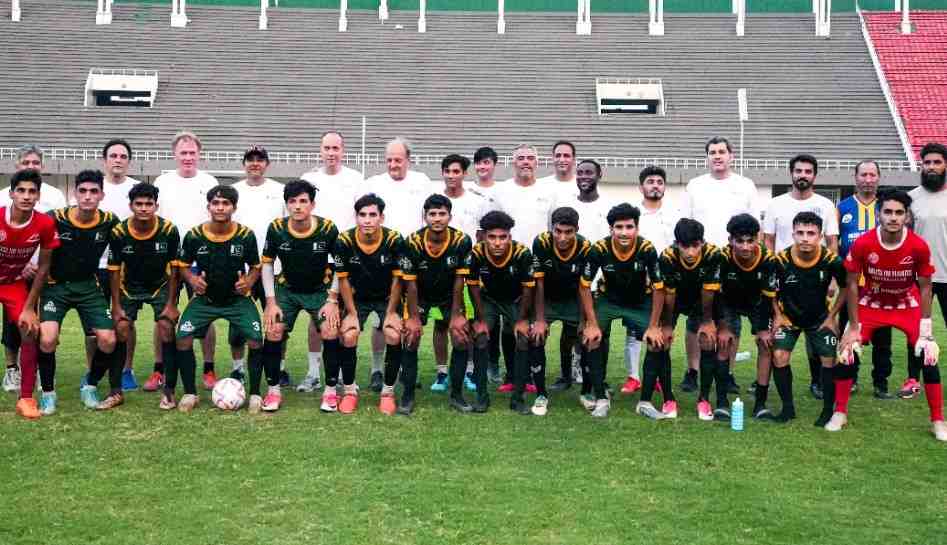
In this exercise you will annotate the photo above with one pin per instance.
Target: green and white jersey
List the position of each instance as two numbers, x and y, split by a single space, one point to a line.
302 255
803 288
369 268
435 271
560 272
144 260
221 258
627 279
82 244
502 281
688 282
745 289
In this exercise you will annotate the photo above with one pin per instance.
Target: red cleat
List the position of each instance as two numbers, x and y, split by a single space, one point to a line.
531 388
154 382
349 404
631 386
210 379
505 388
387 404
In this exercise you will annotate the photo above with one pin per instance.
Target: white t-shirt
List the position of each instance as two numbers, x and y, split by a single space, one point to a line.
116 202
404 200
258 206
183 201
658 226
529 207
50 198
552 184
593 216
930 222
782 209
336 195
713 202
467 210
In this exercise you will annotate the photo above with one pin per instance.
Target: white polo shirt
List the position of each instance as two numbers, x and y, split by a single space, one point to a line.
713 202
529 207
50 198
404 199
183 201
930 222
593 216
658 226
467 210
258 206
336 194
782 209
116 202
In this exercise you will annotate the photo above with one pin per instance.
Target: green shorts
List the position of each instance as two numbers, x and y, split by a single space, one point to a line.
566 312
291 303
84 296
822 341
131 305
429 311
242 315
634 319
493 310
436 313
365 308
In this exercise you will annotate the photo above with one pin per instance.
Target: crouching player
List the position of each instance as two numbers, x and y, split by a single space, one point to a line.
302 242
896 265
804 272
435 267
222 250
141 265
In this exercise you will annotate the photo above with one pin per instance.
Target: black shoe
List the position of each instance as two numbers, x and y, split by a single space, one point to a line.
459 404
722 415
732 386
406 407
763 414
378 380
816 391
823 419
689 384
561 384
519 406
284 380
237 374
785 416
881 392
481 405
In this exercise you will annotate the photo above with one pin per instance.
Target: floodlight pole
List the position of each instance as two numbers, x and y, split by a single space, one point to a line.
103 14
422 16
178 15
656 20
744 117
15 11
264 21
905 17
383 10
363 146
739 7
343 20
501 22
583 24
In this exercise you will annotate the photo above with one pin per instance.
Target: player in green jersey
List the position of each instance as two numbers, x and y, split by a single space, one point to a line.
368 267
501 285
804 273
84 231
559 258
434 267
631 289
691 271
303 243
223 251
141 266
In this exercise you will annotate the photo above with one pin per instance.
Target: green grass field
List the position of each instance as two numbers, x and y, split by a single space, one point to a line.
137 475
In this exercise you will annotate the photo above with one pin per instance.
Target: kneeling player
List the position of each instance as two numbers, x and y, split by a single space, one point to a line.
896 265
302 242
804 272
222 249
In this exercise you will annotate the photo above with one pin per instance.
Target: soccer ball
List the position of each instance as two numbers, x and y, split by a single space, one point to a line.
228 394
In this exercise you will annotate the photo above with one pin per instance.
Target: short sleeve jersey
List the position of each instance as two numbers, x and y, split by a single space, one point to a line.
890 274
747 288
626 279
369 268
18 244
503 280
221 258
560 272
436 272
83 244
854 220
301 255
688 282
144 260
803 288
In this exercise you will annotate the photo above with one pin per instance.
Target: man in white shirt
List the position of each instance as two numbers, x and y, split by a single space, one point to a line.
777 221
485 165
563 161
183 201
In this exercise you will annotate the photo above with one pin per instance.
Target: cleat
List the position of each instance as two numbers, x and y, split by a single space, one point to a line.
84 381
657 386
587 401
816 391
561 384
89 396
519 406
154 382
909 389
47 403
689 384
110 402
939 429
440 383
237 374
631 386
406 407
255 405
309 384
601 408
11 379
540 406
703 411
823 419
188 403
764 414
785 416
167 401
481 406
837 422
377 381
493 374
459 404
128 381
284 380
721 414
669 409
469 383
387 405
732 386
576 373
881 392
647 410
330 401
505 388
531 388
210 379
26 407
349 404
273 399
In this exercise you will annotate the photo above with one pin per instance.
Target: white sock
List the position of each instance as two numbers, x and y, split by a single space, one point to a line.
378 361
240 364
315 362
632 354
388 390
282 365
441 369
470 367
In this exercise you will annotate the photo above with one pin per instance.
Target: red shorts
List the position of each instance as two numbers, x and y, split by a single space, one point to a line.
907 320
13 297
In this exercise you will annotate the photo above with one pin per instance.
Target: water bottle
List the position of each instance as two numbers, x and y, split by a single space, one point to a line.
736 416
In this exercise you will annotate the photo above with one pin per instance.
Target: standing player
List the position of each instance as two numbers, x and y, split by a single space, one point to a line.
485 163
222 251
435 266
563 160
84 232
804 273
142 252
896 265
302 243
21 232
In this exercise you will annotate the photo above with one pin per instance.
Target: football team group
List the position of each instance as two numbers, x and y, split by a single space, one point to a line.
491 263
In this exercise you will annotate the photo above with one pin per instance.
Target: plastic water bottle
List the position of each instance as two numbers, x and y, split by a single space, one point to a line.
736 415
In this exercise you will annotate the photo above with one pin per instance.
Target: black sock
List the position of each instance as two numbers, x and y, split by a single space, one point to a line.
348 360
409 373
47 370
708 370
722 382
566 342
761 393
585 363
815 366
208 366
159 365
508 347
667 389
537 368
651 370
783 378
269 357
99 366
393 364
520 372
169 353
481 361
187 366
330 359
458 367
826 375
596 372
116 365
914 365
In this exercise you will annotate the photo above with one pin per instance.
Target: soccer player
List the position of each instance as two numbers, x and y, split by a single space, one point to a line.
747 289
559 260
501 285
302 243
629 267
221 250
368 267
804 273
25 231
690 269
84 232
142 252
896 266
485 163
435 267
